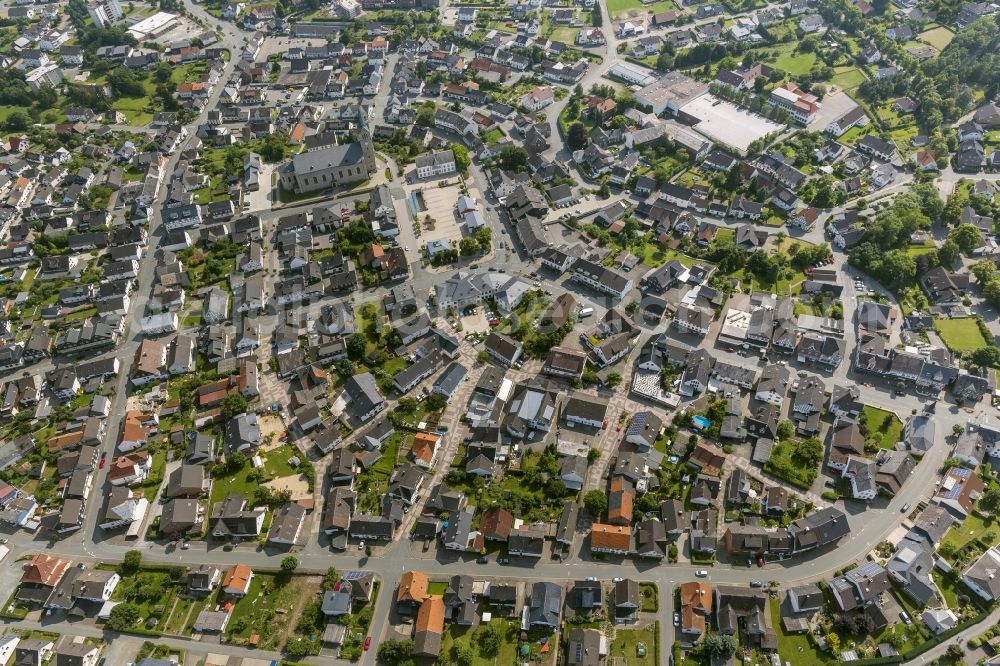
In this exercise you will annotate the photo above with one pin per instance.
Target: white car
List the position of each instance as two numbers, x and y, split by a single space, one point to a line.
701 573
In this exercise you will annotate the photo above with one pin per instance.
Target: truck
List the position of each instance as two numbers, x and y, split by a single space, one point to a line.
586 312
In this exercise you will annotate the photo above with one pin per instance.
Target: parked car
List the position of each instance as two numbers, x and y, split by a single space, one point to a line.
677 619
701 573
756 583
481 560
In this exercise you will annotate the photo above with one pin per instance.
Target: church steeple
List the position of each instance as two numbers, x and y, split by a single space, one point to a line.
365 139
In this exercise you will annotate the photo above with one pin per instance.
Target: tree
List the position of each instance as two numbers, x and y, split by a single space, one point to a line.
513 158
576 136
468 246
273 149
462 160
613 380
596 503
808 452
124 616
395 651
593 455
966 236
262 496
957 430
233 405
17 121
955 653
124 83
462 654
490 638
718 645
297 648
983 270
991 498
356 345
289 564
785 429
330 578
425 114
484 236
130 563
949 253
482 357
986 357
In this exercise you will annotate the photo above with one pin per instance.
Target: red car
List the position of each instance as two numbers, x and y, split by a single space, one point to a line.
100 465
760 561
605 426
368 643
620 425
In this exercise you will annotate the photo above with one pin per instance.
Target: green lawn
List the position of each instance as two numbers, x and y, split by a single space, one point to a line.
848 78
275 465
960 334
852 136
507 654
794 648
621 7
650 597
974 527
624 648
917 250
938 37
135 588
178 618
784 467
885 425
564 34
136 110
189 73
795 64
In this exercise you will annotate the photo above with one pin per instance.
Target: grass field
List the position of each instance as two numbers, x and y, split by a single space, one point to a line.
781 465
883 424
973 528
794 648
917 250
848 78
794 64
564 34
275 466
624 649
506 654
960 334
938 37
635 7
135 110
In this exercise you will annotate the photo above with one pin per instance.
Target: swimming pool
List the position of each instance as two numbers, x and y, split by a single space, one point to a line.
701 422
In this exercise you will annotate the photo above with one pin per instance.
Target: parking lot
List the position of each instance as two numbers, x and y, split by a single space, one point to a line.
439 205
475 323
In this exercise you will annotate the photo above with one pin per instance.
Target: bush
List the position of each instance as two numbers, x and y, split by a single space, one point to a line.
130 563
